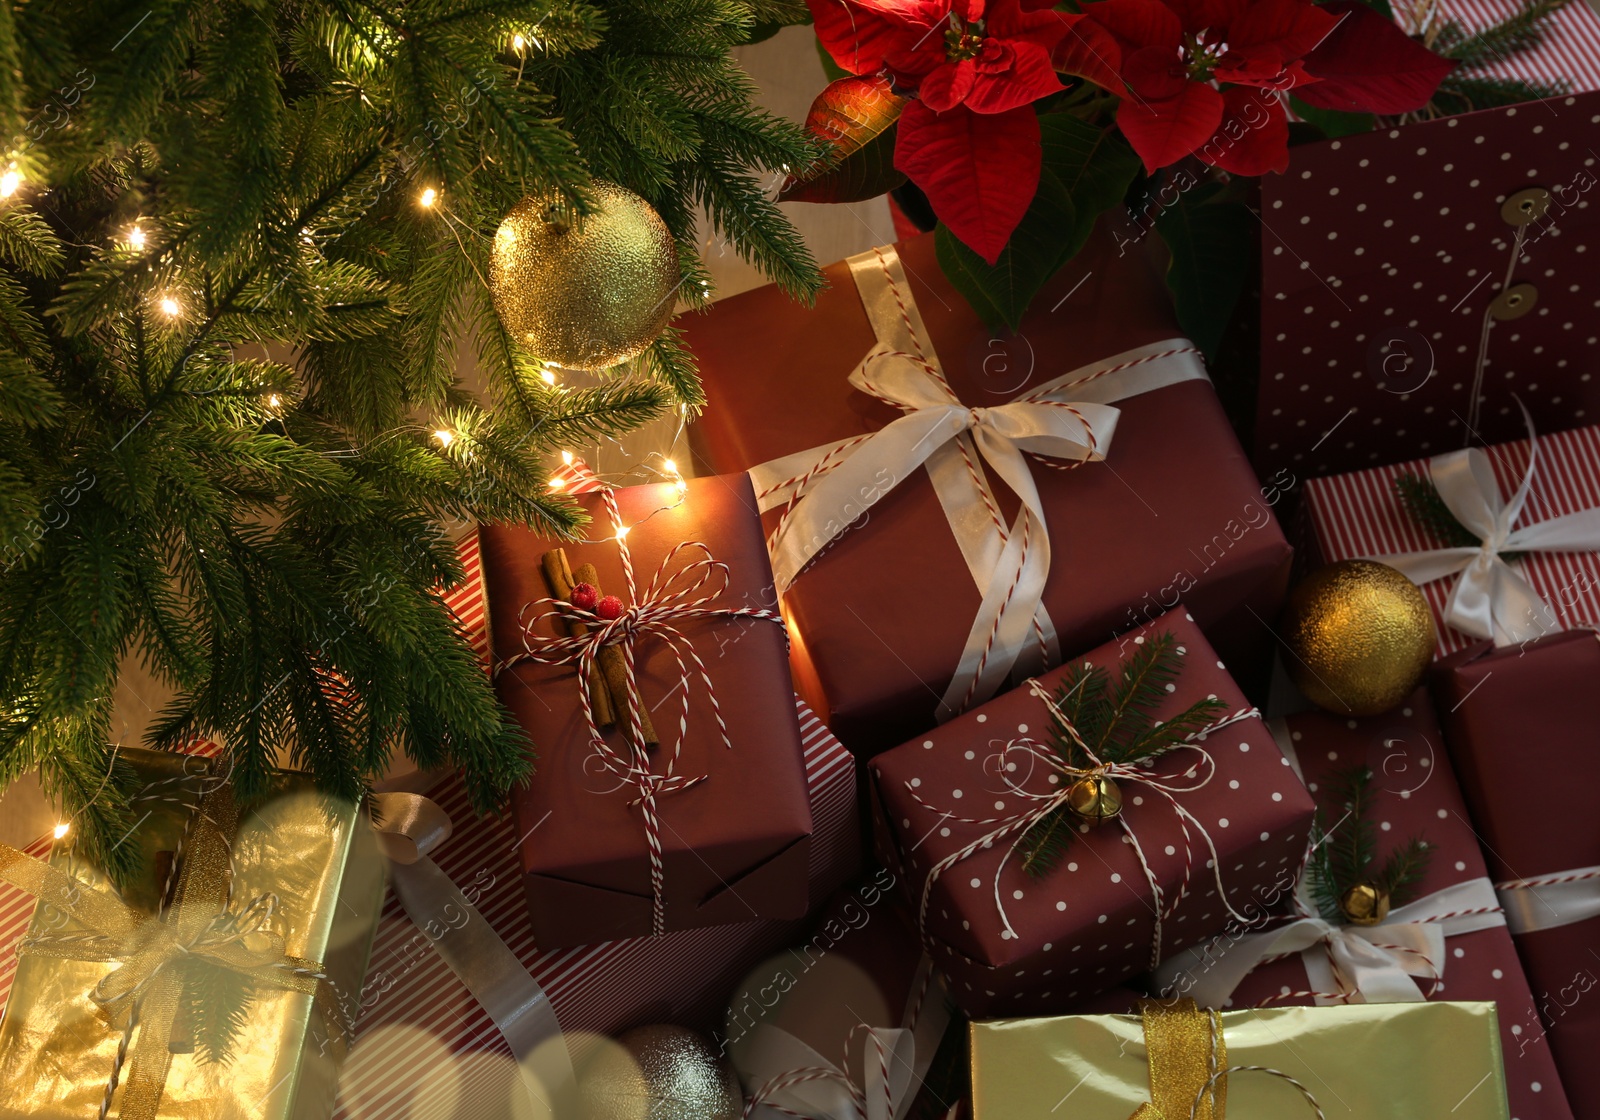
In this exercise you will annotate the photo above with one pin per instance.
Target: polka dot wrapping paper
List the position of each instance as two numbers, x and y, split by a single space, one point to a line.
1088 924
1360 514
1380 255
1523 725
1415 795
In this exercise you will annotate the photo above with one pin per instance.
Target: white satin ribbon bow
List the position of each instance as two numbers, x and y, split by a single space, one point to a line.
1069 418
1491 599
1344 963
785 1077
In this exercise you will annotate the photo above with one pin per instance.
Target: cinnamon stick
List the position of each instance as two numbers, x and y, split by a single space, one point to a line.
615 669
559 578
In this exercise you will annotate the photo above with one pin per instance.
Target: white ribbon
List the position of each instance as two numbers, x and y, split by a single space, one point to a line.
828 488
784 1076
1491 599
1550 901
1344 963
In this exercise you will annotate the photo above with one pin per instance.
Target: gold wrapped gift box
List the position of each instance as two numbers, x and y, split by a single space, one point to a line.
286 893
1400 1061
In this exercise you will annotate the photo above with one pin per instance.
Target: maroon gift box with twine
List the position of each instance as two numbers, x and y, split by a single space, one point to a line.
1205 831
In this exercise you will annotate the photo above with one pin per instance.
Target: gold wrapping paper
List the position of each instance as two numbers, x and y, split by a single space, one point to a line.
315 854
1400 1061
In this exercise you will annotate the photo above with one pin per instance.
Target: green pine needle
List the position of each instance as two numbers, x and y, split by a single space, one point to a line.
1419 497
1346 847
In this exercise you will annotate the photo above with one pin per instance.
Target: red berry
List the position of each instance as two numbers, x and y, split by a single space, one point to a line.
585 596
610 607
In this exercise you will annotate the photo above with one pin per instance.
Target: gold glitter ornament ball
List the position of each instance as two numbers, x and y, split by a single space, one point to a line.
660 1072
584 291
1359 637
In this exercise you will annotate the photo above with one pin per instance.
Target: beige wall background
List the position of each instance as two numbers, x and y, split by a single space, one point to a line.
789 74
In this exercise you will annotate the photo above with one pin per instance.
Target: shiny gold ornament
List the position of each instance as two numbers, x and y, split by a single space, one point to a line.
660 1072
1364 904
584 291
1359 637
1096 799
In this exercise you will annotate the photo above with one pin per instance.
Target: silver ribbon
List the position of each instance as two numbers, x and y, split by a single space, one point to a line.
1069 418
409 827
1492 599
1550 901
785 1077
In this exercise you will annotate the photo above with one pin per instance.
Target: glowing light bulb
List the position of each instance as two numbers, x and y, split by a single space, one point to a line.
445 437
62 829
557 483
566 457
622 532
518 43
273 400
683 487
170 307
669 466
9 182
136 238
547 377
428 197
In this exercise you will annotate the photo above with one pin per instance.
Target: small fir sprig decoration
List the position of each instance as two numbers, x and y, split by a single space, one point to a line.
1116 721
1419 497
1346 850
1468 88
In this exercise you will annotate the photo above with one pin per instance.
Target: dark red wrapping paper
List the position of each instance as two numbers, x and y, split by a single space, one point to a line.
734 846
1088 924
1415 794
1380 253
885 611
1523 728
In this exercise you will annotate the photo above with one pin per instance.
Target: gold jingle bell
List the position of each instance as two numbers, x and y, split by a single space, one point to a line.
1096 798
1364 904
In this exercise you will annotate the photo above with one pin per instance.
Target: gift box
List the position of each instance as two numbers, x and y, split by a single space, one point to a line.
1212 824
1389 1060
424 1045
1389 254
894 470
242 937
1521 724
1544 577
1444 938
711 827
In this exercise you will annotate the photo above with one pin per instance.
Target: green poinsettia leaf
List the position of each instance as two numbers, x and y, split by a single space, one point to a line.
1212 242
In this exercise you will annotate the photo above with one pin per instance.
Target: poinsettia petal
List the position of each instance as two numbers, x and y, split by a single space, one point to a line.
1011 20
978 171
1368 65
1155 74
1163 132
1137 23
1253 137
948 85
860 34
1276 31
1029 78
1089 51
1197 15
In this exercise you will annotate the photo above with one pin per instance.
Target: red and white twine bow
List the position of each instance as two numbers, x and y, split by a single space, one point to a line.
681 590
1062 777
1066 421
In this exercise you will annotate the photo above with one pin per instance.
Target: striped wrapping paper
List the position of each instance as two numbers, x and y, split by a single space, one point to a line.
1358 514
1570 51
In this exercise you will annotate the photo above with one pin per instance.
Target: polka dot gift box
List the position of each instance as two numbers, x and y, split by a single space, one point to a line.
1388 259
1436 940
1523 724
1204 830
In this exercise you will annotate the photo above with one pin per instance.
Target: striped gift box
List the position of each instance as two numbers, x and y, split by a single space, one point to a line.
1359 514
1570 51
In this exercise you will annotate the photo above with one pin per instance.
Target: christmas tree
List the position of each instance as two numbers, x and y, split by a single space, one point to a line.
239 244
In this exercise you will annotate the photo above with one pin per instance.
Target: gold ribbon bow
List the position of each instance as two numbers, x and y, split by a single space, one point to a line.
144 988
1189 1064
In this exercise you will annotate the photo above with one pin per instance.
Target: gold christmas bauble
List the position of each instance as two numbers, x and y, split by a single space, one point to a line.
1095 799
659 1072
584 291
1359 637
1364 904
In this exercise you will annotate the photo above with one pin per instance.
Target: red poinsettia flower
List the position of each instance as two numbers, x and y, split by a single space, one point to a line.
970 141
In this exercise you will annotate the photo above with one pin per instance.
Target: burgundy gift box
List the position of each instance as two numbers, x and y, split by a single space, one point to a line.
1382 254
1415 794
1088 924
1523 728
734 845
883 613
